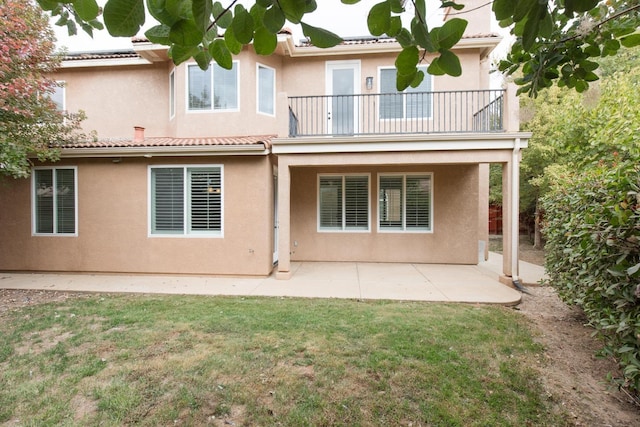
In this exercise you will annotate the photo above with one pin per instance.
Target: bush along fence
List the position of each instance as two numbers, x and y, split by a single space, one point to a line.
593 256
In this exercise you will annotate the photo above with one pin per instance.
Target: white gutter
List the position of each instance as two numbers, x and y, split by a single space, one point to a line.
106 62
173 151
403 143
364 48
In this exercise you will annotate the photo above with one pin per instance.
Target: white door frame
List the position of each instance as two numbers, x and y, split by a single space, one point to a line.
343 65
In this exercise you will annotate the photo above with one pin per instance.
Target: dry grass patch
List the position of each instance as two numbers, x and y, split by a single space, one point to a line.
173 360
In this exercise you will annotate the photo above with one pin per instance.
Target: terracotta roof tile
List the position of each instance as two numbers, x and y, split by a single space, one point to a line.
175 142
353 41
78 56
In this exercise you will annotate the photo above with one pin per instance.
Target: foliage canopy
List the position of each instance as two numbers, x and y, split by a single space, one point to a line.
29 121
556 41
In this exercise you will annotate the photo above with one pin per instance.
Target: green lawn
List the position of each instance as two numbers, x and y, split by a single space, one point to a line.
174 360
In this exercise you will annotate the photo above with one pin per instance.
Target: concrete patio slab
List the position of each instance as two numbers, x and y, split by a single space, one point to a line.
415 282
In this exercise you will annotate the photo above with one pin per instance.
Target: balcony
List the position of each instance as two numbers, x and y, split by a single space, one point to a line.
397 113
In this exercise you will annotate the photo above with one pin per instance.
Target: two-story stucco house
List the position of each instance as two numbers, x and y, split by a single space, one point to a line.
306 155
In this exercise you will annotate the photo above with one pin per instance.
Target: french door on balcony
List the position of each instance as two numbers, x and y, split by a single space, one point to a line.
343 79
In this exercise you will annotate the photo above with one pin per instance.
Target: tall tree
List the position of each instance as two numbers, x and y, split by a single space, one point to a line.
30 124
556 40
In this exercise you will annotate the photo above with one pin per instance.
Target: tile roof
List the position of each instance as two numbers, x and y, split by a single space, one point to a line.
156 142
369 40
79 56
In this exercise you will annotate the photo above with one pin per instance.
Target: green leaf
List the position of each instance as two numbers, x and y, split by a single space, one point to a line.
434 68
451 33
407 59
404 38
264 41
395 27
221 54
180 54
397 6
320 37
86 9
203 59
421 34
185 33
293 9
159 34
232 42
379 18
202 13
450 63
222 16
274 19
242 25
158 9
48 5
124 18
633 270
503 9
630 41
350 1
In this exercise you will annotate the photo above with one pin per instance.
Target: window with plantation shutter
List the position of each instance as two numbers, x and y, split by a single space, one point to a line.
186 200
405 202
343 203
54 201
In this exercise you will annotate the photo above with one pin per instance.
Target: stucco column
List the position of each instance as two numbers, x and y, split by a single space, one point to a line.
483 209
506 219
284 221
511 213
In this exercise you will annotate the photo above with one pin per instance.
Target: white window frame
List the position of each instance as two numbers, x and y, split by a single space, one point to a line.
55 233
236 66
403 228
343 228
273 95
62 85
186 233
404 98
172 94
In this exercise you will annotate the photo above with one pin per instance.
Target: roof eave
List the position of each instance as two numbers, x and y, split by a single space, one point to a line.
174 151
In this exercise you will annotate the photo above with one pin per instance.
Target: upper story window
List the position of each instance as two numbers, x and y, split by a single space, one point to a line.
54 201
58 96
266 90
413 103
343 202
172 94
214 89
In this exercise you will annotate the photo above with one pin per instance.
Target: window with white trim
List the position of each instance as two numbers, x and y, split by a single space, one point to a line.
186 200
213 89
58 96
405 202
412 103
54 201
343 202
172 94
266 90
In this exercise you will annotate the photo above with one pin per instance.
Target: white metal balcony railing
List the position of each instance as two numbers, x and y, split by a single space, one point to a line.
397 113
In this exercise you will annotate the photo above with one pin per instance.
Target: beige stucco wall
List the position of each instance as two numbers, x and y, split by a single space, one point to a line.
455 220
115 99
113 229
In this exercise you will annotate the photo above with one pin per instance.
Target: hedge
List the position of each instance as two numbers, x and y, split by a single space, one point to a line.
592 227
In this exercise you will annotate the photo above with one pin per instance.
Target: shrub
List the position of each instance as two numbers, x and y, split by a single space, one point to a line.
593 255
